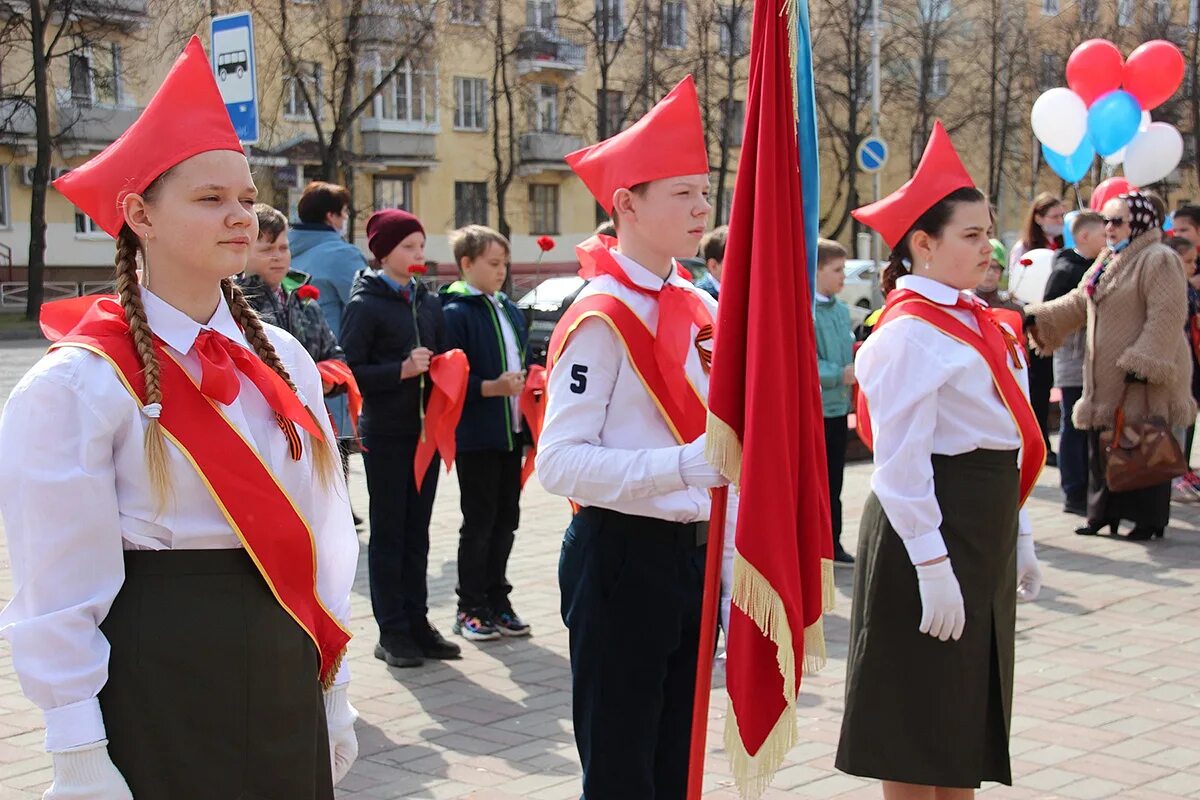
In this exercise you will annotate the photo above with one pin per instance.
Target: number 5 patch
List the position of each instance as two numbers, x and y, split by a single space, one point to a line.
579 378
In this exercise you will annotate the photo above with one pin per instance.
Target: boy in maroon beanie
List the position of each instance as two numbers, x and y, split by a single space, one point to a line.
391 329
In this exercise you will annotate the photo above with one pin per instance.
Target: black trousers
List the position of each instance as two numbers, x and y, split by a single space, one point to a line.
631 596
836 431
489 483
1072 450
212 688
398 551
1041 381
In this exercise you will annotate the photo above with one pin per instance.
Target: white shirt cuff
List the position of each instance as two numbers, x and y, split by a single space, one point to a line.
925 547
665 473
74 725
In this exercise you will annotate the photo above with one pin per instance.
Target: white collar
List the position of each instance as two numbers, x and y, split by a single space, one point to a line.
820 297
644 277
179 330
936 291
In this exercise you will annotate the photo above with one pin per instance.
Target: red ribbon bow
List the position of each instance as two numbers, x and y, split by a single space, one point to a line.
221 359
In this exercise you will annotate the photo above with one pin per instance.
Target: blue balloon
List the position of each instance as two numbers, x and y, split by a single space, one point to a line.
1068 220
1113 121
1071 168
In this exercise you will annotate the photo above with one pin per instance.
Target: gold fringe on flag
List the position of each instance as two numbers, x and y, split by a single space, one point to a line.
753 773
723 448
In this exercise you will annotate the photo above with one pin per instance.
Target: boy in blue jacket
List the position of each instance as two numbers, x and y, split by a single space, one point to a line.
490 329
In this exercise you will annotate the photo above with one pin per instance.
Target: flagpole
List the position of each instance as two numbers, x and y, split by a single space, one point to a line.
708 641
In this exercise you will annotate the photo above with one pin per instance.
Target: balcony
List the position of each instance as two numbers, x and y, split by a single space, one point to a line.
397 24
399 144
93 127
539 50
546 151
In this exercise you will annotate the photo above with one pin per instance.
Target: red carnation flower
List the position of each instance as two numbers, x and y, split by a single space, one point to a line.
308 292
546 243
1026 262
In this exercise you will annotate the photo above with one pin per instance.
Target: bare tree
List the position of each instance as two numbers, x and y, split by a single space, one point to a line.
57 36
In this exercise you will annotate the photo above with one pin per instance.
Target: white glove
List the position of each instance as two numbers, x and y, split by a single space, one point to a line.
695 469
943 615
1029 571
343 743
87 773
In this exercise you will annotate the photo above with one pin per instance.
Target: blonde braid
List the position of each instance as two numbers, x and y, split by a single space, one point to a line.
324 459
130 296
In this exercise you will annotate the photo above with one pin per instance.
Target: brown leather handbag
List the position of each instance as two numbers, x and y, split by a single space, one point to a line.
1144 454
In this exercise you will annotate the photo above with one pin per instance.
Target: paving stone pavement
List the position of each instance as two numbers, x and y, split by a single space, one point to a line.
1107 695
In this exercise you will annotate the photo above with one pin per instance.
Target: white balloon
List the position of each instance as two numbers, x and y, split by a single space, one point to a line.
1027 282
1059 119
1119 156
1153 154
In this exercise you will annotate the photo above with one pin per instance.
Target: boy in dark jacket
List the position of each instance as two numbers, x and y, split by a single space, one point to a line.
490 329
391 329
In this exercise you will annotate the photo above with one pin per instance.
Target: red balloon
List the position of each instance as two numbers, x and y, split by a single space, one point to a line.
1107 190
1094 69
1153 73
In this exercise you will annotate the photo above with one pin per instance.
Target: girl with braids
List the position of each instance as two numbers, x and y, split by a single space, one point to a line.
180 619
944 547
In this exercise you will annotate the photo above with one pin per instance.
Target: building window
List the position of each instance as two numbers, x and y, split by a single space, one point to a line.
393 192
107 77
86 226
5 219
544 109
1050 74
293 96
734 114
1125 11
470 203
470 104
611 106
610 22
938 78
540 14
467 12
543 208
1089 11
734 26
726 204
80 68
410 96
939 10
1049 8
674 25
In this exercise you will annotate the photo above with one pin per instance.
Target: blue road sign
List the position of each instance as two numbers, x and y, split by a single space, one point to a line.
232 49
872 154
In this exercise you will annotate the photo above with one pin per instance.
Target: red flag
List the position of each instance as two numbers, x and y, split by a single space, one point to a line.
765 428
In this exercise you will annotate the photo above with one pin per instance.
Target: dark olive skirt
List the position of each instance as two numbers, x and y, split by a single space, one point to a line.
212 688
919 710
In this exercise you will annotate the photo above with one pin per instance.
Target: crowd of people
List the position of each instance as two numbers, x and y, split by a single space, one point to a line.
246 360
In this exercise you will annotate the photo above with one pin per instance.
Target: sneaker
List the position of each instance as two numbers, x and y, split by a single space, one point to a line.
400 651
1184 491
433 644
1192 477
843 559
511 625
476 627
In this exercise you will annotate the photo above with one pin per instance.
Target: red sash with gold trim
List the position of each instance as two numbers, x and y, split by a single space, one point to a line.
257 507
993 344
686 421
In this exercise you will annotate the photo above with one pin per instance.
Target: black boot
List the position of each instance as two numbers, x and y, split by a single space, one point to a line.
1093 528
1143 534
400 651
433 644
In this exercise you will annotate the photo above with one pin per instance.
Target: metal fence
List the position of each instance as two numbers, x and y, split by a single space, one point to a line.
15 294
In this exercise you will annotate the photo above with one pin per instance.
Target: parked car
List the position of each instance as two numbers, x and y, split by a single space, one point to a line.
861 292
543 306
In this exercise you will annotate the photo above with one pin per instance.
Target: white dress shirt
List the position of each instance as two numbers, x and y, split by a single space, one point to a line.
75 493
928 394
626 460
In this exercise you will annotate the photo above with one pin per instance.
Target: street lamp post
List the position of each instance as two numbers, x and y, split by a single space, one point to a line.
875 107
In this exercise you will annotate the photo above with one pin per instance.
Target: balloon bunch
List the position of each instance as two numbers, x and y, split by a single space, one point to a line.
1106 110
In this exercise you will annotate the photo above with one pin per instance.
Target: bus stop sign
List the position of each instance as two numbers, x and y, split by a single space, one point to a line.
232 52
